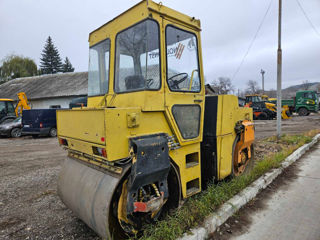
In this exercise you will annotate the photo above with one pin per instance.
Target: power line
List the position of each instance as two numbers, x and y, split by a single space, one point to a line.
252 41
308 19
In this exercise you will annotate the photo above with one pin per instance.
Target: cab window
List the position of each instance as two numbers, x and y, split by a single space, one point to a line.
182 60
98 74
308 95
256 99
10 108
2 107
137 66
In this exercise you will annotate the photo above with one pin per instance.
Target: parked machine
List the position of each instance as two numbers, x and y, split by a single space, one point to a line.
303 103
263 109
149 137
7 113
7 110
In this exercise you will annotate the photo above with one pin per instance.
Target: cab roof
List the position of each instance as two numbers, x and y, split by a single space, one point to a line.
6 100
140 11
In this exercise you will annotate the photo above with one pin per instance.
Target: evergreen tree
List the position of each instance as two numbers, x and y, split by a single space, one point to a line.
67 66
50 62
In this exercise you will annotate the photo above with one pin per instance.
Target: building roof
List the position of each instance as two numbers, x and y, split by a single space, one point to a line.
47 86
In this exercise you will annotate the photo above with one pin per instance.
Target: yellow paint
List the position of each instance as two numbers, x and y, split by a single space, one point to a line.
6 100
229 113
22 104
88 125
117 118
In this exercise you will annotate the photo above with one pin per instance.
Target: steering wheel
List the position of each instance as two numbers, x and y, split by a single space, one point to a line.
174 84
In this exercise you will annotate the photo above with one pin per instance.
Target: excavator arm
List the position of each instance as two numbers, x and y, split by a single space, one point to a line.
22 104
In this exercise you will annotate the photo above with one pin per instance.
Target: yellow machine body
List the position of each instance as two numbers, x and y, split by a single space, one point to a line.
169 123
22 104
12 112
285 113
6 100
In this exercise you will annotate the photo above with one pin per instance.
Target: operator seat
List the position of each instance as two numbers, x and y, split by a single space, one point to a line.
134 82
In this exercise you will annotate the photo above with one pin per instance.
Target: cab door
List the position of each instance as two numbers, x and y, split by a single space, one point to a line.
184 88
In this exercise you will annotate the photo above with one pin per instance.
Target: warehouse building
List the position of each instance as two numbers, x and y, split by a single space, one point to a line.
48 91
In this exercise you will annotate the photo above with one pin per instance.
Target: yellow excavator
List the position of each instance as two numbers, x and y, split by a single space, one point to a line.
7 110
285 111
263 109
149 137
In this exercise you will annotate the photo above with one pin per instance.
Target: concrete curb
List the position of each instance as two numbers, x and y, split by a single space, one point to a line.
246 195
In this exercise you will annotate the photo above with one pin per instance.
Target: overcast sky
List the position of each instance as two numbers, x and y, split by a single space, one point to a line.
228 27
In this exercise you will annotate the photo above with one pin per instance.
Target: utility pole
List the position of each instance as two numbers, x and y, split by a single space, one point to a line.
279 73
262 73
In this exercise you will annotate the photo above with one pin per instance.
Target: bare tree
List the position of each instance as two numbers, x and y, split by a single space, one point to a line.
223 85
305 84
253 87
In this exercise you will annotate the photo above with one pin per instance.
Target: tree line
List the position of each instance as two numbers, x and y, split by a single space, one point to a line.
15 66
223 85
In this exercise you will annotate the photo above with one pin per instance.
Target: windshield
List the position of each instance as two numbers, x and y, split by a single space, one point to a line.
2 107
98 74
182 60
10 108
310 95
315 96
137 58
256 99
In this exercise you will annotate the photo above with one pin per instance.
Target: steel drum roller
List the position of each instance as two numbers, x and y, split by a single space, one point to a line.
88 193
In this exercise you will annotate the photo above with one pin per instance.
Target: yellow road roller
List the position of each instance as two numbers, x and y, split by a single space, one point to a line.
149 137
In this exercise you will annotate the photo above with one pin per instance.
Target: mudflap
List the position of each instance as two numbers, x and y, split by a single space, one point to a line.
88 193
151 165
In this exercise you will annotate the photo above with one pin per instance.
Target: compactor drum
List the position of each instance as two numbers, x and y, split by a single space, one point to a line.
149 137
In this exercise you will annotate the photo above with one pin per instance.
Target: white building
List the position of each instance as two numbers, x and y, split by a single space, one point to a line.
48 91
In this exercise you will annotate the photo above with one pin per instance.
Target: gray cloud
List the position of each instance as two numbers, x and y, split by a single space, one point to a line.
227 29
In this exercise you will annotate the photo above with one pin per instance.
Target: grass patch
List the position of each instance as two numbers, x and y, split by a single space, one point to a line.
198 207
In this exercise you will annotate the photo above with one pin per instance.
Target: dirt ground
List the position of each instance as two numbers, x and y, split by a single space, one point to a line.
267 128
29 205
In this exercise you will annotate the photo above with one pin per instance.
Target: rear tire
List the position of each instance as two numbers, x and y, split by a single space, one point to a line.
53 132
15 132
250 165
303 111
263 116
289 114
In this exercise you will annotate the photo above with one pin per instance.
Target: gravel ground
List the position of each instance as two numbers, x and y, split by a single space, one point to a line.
297 124
29 205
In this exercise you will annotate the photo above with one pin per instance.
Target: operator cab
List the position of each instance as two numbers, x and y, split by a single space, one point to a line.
6 110
253 99
156 52
152 63
137 61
